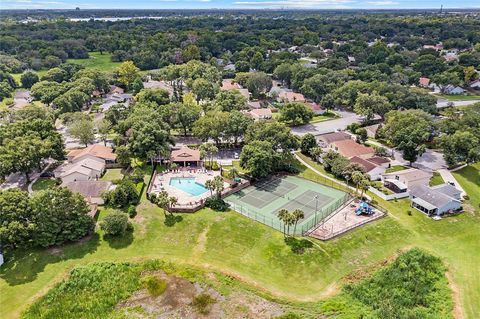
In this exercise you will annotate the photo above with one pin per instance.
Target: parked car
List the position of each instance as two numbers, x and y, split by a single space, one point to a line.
47 174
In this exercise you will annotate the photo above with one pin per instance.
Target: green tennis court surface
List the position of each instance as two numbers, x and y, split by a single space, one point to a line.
263 200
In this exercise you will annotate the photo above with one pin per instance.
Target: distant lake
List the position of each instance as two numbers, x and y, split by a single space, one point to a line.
112 19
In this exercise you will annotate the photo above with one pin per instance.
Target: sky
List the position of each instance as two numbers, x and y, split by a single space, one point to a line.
239 4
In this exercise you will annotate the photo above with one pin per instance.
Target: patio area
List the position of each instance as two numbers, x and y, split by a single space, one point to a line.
187 185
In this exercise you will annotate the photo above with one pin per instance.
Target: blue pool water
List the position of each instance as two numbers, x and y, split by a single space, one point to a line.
188 185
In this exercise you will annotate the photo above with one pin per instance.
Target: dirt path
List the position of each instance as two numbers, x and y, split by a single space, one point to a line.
199 249
457 303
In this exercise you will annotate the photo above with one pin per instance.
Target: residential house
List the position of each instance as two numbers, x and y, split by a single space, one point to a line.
453 90
374 167
401 181
316 108
95 152
424 82
260 114
324 140
350 148
435 200
289 97
116 90
254 104
83 170
91 190
475 85
229 84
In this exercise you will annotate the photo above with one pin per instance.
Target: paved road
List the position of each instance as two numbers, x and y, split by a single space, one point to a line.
444 103
346 119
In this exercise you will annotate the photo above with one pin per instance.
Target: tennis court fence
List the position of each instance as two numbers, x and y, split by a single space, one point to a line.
303 227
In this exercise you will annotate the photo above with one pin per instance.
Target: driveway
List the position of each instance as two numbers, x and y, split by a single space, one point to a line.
429 161
346 119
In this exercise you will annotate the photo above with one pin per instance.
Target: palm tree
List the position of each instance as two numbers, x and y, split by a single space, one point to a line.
297 215
172 201
209 149
210 185
283 215
364 184
234 172
218 185
357 177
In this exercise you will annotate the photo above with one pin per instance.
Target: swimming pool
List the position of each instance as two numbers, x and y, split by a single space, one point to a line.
188 185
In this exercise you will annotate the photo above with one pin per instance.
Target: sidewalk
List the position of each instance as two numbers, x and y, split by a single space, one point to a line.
325 176
449 178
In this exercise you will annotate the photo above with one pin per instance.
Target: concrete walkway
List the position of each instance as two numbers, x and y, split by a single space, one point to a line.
449 178
36 176
326 176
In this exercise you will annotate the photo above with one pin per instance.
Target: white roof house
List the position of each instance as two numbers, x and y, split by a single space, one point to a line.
409 177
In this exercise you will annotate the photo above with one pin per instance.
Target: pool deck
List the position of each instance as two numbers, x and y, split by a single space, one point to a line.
162 183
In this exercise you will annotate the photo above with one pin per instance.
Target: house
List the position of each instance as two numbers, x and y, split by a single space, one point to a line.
96 152
229 84
453 90
254 104
435 200
424 82
116 90
83 170
288 97
324 140
406 179
475 85
350 148
451 56
316 108
229 67
370 166
260 114
91 190
185 156
152 84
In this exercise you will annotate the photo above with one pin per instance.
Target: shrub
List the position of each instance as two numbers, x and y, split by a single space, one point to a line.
203 303
216 203
123 195
154 285
132 211
116 224
213 165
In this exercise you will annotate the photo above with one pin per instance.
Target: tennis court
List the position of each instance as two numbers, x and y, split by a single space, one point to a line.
263 200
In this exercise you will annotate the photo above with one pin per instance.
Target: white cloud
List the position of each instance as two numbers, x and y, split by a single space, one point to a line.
382 3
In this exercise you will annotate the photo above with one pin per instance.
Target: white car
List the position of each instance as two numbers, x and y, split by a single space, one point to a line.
235 155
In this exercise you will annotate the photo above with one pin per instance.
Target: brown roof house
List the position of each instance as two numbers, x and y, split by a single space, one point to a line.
185 156
326 139
96 152
374 167
91 190
229 84
424 82
350 148
288 97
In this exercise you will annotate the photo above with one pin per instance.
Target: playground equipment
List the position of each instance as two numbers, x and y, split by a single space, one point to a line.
364 209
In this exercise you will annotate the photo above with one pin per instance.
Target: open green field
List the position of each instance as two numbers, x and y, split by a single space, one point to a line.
436 179
112 174
97 61
395 168
459 97
257 255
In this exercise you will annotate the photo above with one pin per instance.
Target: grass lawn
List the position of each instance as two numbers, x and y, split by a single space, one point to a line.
459 97
257 255
112 174
436 179
324 117
43 183
395 168
97 61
